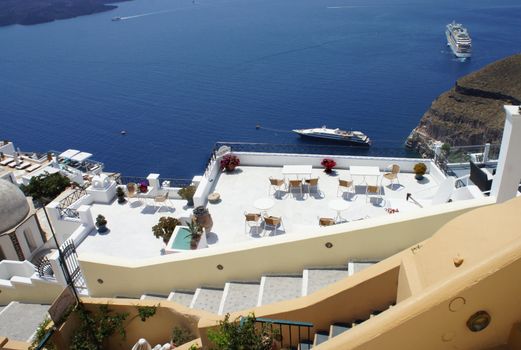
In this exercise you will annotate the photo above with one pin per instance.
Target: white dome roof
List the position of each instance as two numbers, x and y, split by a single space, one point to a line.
13 205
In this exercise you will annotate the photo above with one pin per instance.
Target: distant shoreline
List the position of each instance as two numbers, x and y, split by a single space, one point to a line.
29 12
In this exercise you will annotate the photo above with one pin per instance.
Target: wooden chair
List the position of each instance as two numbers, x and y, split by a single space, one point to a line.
295 184
326 221
277 185
393 175
252 220
345 186
273 222
312 183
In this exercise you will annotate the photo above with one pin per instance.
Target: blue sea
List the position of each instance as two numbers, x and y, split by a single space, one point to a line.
179 75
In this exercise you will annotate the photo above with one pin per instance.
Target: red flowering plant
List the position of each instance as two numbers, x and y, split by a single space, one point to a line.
143 186
328 164
229 162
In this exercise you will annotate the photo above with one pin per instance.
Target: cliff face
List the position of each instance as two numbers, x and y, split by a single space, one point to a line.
471 113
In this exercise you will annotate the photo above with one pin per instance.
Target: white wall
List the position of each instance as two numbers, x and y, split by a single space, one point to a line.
7 149
32 226
7 248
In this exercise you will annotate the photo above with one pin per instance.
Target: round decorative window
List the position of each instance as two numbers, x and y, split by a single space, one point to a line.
479 321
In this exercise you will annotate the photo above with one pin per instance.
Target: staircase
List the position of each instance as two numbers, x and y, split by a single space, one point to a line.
241 295
237 296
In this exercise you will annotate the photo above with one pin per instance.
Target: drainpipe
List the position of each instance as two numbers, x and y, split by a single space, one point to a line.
508 173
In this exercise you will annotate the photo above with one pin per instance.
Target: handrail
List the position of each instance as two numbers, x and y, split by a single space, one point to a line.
72 198
286 325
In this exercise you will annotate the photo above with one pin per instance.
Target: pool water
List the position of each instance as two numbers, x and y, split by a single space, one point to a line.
182 239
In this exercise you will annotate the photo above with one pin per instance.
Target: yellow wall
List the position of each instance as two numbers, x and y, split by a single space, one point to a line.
156 329
279 255
6 344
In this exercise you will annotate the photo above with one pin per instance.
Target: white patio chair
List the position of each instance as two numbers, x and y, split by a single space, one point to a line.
252 220
393 175
345 186
273 223
277 185
296 185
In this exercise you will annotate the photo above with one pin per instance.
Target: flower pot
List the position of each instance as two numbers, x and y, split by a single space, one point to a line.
121 200
205 221
229 168
328 170
418 177
143 189
102 228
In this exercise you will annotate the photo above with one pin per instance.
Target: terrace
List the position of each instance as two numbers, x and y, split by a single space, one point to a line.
130 224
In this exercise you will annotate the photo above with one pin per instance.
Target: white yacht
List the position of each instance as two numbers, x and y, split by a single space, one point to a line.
354 138
459 40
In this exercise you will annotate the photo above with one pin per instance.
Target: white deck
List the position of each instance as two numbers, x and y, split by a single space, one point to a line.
130 225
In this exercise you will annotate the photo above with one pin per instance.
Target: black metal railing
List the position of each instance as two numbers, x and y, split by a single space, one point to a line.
291 332
72 198
44 268
311 148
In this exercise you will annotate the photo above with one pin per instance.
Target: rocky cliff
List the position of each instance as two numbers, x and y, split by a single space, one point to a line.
471 113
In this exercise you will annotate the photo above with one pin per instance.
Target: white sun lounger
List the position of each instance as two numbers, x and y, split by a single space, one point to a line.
23 165
6 161
32 167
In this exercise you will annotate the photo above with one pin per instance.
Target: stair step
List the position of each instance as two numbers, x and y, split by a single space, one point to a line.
357 266
239 296
306 345
320 278
320 337
181 297
278 288
153 297
207 299
338 328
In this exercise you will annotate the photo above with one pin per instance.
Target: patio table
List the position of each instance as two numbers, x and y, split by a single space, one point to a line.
339 205
264 204
297 170
363 171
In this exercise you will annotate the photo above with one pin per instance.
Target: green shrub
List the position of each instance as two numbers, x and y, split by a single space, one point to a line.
44 188
165 228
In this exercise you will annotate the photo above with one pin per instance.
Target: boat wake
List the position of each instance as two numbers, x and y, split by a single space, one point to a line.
144 14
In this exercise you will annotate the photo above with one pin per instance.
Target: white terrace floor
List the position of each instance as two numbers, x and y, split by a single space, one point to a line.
130 225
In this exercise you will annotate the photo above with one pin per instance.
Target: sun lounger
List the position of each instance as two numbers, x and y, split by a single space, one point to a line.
13 164
23 165
6 161
32 167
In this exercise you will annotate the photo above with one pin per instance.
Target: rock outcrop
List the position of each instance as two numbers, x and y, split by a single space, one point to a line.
28 12
471 113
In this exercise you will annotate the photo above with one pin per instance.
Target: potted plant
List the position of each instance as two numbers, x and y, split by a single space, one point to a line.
328 165
203 218
188 194
165 228
419 169
195 233
143 186
229 162
121 195
101 223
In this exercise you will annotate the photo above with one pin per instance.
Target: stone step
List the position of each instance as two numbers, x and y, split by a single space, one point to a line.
338 328
357 266
153 297
278 288
315 279
181 297
207 299
320 337
239 296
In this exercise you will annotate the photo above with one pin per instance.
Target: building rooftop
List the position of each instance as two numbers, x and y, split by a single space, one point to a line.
130 225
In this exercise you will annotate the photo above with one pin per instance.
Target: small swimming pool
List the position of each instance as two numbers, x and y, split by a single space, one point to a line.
181 240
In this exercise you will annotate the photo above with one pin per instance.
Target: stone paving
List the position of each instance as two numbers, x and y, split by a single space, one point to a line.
18 321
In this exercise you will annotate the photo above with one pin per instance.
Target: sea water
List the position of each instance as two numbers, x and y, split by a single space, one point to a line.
179 75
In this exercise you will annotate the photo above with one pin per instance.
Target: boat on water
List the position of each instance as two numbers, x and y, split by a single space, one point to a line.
353 138
116 18
458 38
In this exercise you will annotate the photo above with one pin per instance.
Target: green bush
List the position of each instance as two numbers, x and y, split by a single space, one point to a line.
181 336
44 188
241 334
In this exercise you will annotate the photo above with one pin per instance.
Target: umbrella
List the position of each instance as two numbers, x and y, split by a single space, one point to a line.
142 344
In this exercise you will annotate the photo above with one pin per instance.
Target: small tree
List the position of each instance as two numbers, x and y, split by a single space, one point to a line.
165 228
121 195
188 194
44 188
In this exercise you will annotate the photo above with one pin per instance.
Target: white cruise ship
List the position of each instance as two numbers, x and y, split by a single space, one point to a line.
459 40
354 138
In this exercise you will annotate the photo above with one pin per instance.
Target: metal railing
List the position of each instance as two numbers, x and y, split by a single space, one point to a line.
311 148
125 180
292 332
63 205
460 156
